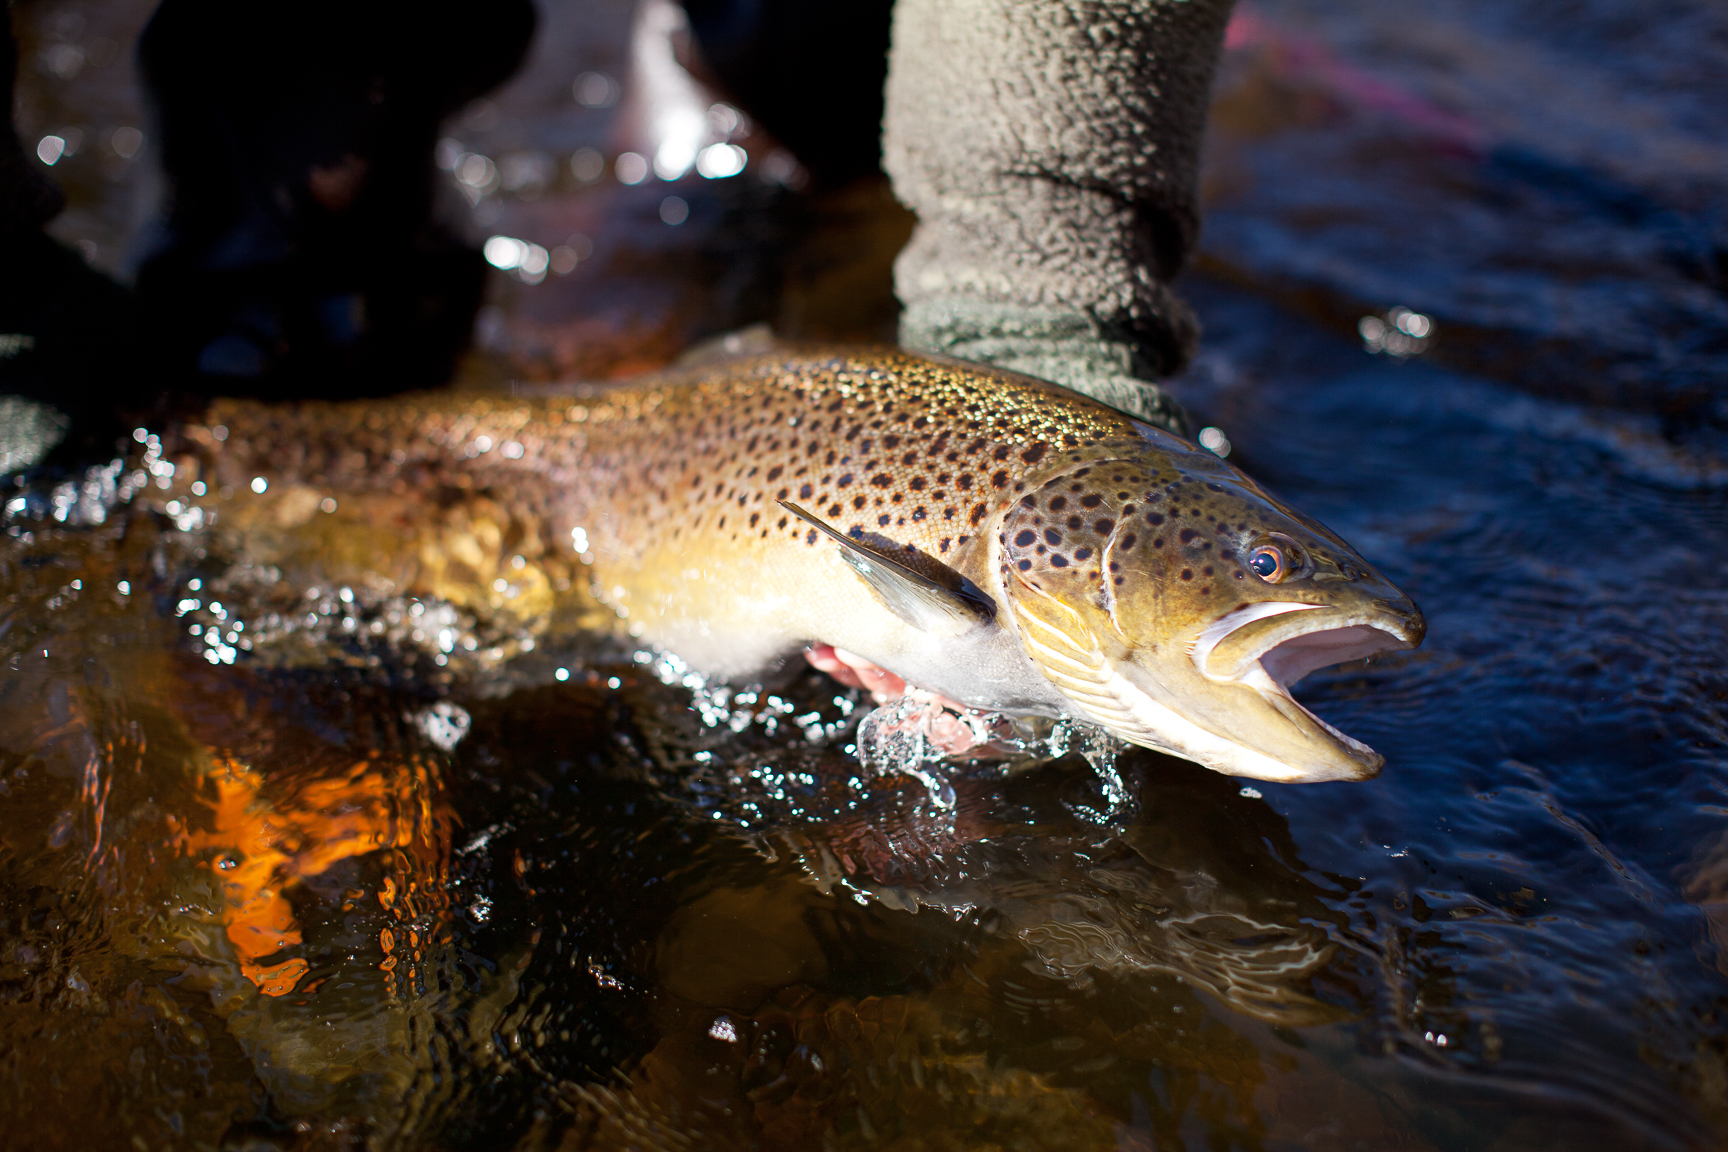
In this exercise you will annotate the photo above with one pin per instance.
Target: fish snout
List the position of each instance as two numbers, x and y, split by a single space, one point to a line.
1400 616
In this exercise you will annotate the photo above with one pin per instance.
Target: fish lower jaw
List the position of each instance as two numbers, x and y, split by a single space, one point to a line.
1278 695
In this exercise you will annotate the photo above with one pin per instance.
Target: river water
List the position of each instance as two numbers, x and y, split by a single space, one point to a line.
357 884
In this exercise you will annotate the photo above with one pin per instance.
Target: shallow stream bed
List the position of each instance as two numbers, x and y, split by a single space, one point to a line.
361 885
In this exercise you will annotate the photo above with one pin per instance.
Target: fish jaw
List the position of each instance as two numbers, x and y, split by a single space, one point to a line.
1246 724
1265 648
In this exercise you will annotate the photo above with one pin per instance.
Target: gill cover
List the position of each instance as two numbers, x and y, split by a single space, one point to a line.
1057 567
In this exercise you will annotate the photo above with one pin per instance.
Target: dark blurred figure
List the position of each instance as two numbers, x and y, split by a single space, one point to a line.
300 256
811 73
66 331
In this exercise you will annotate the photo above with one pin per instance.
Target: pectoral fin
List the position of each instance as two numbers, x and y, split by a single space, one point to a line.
946 604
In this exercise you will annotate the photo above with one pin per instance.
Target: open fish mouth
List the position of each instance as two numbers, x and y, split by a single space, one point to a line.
1260 650
1271 646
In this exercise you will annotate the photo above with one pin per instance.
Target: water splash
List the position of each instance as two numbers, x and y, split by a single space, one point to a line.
720 705
920 736
917 736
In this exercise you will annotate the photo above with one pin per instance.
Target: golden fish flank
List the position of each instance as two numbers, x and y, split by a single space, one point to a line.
996 539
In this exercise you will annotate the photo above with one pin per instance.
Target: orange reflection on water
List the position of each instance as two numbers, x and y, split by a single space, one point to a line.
263 845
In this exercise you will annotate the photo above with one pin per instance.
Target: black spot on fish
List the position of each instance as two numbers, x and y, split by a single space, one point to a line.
882 480
1187 535
858 501
1104 527
1083 554
1091 501
1058 503
1025 565
1052 537
978 511
1000 480
1034 454
884 520
1187 574
1074 523
1026 539
1057 560
805 492
834 511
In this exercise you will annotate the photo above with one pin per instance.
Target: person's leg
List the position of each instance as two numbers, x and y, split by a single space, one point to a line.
66 332
301 256
1050 149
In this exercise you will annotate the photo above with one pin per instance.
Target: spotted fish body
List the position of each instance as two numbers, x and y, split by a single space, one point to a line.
1023 549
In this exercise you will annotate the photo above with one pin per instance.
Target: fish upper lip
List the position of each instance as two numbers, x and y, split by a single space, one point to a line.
1293 620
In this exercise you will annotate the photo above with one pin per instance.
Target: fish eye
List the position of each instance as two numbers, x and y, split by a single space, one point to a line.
1267 562
1277 558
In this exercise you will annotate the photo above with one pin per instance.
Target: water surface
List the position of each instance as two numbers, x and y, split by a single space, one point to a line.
292 864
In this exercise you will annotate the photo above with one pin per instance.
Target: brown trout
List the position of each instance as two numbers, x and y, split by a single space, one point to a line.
991 538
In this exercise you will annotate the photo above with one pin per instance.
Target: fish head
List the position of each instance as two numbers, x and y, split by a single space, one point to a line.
1174 602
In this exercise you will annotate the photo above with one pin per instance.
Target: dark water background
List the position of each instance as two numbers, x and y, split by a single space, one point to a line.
278 903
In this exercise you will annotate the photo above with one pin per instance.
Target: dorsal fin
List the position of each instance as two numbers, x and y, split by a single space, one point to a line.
940 607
